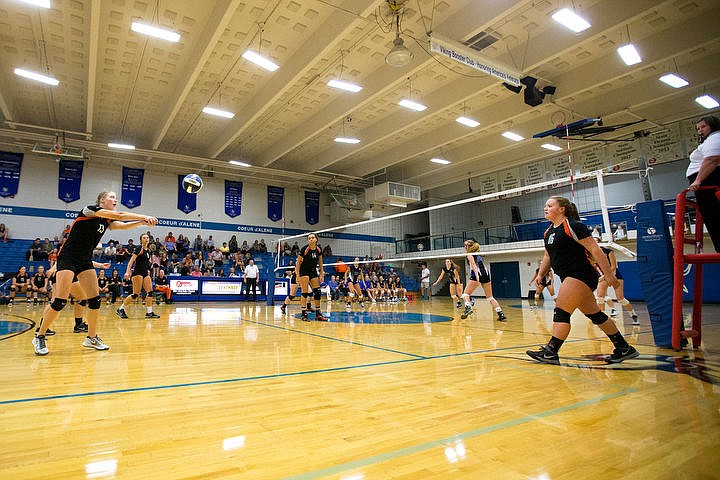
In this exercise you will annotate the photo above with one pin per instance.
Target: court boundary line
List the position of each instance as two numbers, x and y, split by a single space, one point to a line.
421 447
260 377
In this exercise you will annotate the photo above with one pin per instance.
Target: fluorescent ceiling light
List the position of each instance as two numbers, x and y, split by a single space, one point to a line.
156 32
239 163
121 146
513 136
468 122
342 85
347 140
571 20
440 161
37 77
38 3
629 54
707 101
260 61
674 81
550 146
418 107
218 113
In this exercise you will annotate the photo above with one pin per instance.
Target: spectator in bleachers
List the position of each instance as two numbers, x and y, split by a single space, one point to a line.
295 250
217 257
47 247
181 245
233 245
220 272
4 232
20 284
327 251
198 244
244 248
65 232
52 257
111 252
39 284
35 251
233 273
170 242
225 250
187 264
262 247
98 252
209 244
121 254
209 265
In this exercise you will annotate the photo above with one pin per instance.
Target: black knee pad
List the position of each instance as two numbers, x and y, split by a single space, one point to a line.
134 295
94 303
58 304
13 288
597 318
305 295
291 297
82 303
561 316
317 293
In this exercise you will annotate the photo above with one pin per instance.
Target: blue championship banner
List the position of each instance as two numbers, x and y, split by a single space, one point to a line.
233 198
187 202
69 180
275 196
132 185
10 166
312 207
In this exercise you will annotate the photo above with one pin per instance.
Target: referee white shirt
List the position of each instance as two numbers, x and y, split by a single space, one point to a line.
251 270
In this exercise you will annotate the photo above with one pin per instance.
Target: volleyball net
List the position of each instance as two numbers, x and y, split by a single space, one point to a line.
504 222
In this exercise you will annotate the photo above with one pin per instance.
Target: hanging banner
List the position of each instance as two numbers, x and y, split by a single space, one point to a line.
559 167
233 198
462 54
623 155
533 172
132 184
592 158
10 166
275 197
187 202
665 145
312 207
489 184
69 180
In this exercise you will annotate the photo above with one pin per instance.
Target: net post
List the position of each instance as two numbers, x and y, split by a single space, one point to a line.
603 204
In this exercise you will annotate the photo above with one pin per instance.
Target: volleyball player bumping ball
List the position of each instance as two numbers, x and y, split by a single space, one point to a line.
309 272
568 250
75 259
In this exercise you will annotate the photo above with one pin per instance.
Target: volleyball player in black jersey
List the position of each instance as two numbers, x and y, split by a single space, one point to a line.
453 273
75 259
568 250
479 276
309 271
353 275
603 297
546 281
291 293
139 264
39 284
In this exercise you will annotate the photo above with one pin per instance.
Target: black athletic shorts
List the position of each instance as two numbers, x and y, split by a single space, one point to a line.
588 278
77 266
312 274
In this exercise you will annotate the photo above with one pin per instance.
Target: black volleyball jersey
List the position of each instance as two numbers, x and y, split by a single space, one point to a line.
355 272
21 279
142 260
568 257
85 233
450 272
39 280
102 282
310 259
161 280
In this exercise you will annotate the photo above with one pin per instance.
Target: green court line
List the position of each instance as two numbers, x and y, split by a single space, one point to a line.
392 455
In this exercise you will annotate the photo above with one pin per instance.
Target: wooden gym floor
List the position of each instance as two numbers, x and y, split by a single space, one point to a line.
227 390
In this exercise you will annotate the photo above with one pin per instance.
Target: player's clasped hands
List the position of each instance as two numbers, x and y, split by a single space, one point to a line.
148 220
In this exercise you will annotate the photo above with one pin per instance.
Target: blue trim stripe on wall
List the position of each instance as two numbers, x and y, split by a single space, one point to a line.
196 224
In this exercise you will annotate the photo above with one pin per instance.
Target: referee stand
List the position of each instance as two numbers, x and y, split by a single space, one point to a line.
680 259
